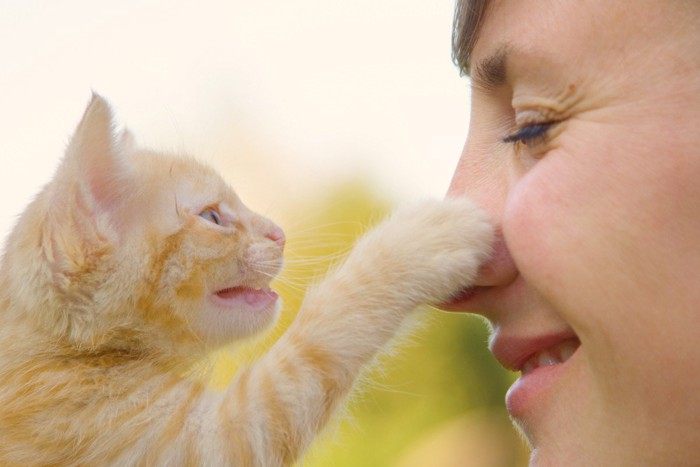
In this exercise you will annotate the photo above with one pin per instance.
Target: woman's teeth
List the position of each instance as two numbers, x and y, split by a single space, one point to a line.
551 356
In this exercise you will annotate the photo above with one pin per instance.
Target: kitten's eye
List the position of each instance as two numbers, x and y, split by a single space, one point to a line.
211 215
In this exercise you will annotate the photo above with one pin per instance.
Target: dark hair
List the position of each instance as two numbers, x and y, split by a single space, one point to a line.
465 26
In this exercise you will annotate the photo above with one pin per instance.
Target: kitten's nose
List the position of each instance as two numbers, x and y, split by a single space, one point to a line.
276 235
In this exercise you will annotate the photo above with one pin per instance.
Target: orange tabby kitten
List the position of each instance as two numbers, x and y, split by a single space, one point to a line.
129 265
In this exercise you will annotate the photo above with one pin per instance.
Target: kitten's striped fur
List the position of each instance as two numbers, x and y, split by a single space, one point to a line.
108 290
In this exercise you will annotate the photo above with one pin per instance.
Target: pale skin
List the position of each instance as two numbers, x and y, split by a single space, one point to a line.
599 215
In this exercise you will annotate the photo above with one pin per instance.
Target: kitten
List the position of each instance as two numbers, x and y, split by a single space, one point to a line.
129 265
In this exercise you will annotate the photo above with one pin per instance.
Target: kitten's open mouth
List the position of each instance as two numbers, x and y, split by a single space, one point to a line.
246 297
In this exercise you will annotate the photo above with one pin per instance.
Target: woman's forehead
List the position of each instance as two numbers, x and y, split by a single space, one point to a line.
526 22
556 32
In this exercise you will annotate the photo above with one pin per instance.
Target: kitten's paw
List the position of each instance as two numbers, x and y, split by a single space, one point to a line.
432 250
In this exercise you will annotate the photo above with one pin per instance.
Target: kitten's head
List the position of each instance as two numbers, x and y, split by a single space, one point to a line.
129 248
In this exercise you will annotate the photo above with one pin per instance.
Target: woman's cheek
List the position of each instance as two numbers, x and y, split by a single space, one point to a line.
533 219
551 234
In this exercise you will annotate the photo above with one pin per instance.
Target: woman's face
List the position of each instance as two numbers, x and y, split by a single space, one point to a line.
597 196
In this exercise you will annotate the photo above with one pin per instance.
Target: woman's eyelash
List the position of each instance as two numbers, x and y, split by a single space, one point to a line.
529 134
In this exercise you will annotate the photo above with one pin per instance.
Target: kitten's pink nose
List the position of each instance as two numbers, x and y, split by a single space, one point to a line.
277 235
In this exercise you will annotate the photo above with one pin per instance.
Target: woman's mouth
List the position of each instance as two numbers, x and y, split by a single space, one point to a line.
554 355
542 361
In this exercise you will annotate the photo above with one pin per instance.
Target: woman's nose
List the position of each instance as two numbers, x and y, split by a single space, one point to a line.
488 189
499 270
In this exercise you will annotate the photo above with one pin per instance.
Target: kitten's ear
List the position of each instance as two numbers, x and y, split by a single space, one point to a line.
127 143
96 159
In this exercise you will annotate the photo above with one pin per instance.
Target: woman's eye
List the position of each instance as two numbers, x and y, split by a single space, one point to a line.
212 215
529 135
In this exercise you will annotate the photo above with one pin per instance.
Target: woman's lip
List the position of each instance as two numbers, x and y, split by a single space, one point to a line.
548 356
512 352
531 390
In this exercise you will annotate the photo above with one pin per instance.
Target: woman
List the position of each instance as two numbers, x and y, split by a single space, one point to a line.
584 146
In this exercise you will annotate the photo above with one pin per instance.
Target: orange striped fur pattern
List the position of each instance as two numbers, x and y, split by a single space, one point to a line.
131 265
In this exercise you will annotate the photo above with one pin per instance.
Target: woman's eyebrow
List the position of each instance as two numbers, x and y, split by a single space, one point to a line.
491 72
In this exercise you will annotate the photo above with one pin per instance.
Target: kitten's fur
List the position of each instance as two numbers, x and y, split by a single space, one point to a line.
108 289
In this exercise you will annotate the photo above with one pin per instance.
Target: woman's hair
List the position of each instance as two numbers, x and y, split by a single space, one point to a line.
468 15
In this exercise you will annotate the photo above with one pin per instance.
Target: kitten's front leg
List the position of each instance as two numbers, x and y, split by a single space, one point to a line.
424 254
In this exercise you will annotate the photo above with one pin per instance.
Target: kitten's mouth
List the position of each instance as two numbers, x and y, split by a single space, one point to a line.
246 297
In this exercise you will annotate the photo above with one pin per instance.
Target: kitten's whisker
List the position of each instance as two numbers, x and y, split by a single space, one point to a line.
315 236
316 250
301 284
360 227
296 283
295 263
315 254
297 291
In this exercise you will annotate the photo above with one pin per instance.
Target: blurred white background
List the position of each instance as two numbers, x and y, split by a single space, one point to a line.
286 97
